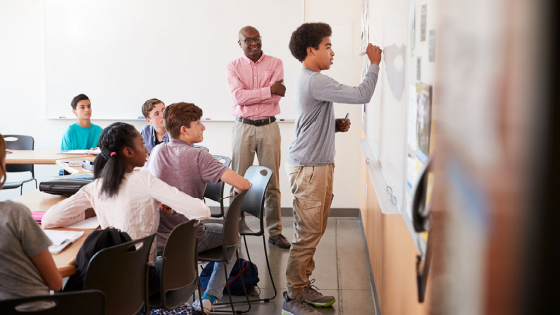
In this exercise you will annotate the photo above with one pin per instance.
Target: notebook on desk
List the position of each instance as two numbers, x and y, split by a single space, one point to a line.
95 151
61 239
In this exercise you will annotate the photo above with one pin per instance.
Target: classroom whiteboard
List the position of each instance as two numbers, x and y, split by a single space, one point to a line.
397 121
122 53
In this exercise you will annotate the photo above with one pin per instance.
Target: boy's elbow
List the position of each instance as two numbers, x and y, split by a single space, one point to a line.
246 185
57 284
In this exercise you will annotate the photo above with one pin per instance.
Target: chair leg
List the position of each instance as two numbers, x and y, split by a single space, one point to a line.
229 291
244 291
246 248
243 284
269 272
266 300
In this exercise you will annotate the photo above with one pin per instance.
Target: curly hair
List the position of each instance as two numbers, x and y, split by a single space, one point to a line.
181 114
77 98
107 165
149 105
308 35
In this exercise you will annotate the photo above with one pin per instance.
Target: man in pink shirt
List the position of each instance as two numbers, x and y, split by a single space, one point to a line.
255 83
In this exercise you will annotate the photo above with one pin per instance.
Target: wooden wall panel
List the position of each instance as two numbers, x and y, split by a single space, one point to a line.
392 255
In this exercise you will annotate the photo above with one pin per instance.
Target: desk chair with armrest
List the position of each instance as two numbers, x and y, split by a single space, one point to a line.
19 142
216 191
121 273
88 302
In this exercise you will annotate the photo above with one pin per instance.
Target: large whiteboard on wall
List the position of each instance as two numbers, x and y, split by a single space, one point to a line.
121 53
401 107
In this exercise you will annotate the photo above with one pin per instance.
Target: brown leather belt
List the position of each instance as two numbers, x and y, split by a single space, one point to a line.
257 122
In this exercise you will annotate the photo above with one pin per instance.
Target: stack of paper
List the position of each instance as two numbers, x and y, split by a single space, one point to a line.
61 239
95 151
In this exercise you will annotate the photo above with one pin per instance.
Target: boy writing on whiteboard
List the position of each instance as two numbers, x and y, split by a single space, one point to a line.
81 135
154 133
310 159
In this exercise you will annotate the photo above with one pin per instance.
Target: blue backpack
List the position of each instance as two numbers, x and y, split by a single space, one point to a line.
250 276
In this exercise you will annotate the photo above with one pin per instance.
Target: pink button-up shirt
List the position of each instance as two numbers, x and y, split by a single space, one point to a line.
249 84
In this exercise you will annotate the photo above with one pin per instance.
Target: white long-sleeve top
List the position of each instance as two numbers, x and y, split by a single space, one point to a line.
134 210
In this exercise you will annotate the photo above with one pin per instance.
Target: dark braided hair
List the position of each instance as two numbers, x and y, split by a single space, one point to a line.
107 164
308 35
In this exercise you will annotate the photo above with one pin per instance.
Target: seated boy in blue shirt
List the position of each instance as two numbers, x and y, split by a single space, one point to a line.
154 133
82 135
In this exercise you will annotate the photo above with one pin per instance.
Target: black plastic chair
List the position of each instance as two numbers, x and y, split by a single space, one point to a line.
216 191
228 251
253 204
121 273
20 143
179 268
89 302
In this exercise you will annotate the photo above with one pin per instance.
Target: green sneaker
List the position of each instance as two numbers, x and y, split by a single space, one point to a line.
313 297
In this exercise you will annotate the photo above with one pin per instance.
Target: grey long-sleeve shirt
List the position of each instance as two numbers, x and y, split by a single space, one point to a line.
314 94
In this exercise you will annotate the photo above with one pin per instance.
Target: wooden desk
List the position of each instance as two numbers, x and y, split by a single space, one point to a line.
78 169
74 169
37 156
66 260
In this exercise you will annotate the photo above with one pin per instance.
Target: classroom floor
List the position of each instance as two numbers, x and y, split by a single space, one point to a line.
341 269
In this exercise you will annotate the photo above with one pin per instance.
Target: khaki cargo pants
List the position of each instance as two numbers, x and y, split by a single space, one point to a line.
312 187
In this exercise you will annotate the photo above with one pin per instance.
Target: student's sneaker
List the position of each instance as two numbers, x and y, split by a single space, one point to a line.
297 306
206 305
315 298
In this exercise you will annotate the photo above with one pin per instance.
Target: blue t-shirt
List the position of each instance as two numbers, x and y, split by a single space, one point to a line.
149 137
79 138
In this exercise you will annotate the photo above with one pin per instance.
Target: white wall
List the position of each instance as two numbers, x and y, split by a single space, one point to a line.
22 92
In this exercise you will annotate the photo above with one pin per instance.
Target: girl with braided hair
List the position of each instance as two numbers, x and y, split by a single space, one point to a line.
124 199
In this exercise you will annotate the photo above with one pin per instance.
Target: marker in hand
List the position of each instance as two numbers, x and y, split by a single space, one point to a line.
346 117
363 53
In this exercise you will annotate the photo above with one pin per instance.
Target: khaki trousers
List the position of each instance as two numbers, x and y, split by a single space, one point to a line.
312 187
265 142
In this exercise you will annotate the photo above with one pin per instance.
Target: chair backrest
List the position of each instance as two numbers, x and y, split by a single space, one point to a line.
231 226
179 273
89 302
223 159
20 142
259 176
121 273
216 191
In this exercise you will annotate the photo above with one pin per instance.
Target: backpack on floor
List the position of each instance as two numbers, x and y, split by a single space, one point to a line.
250 276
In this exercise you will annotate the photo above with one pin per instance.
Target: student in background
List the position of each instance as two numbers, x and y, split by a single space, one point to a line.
310 160
82 135
124 199
154 133
26 265
189 169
